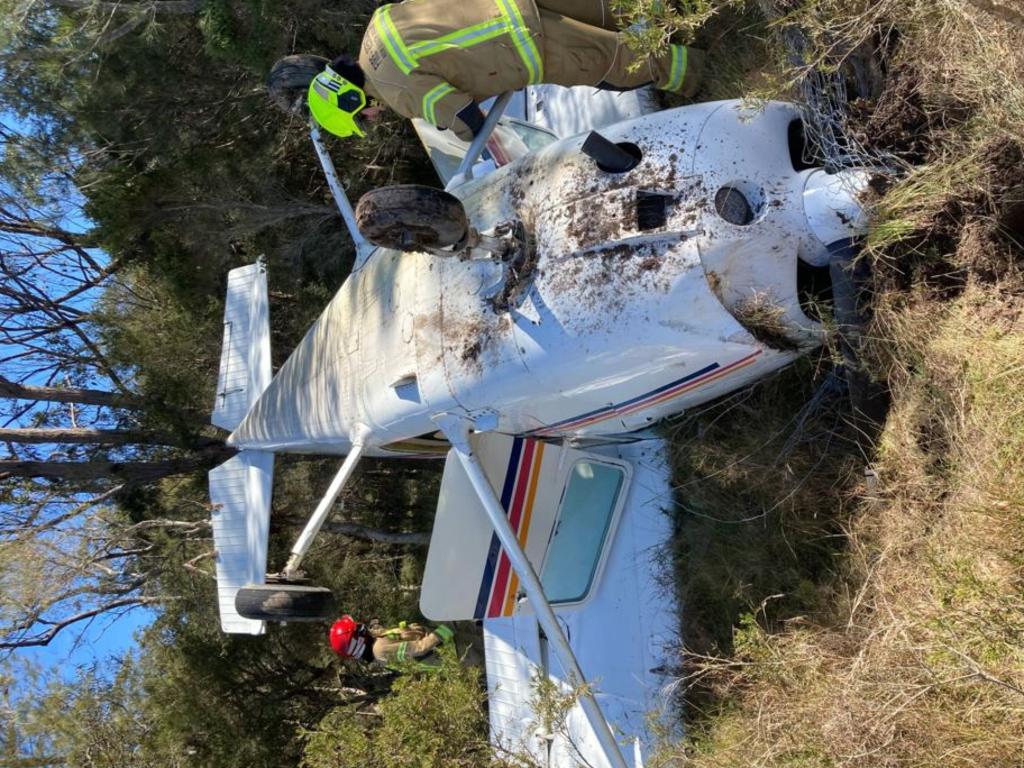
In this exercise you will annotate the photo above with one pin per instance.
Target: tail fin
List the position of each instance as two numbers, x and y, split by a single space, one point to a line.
240 492
245 353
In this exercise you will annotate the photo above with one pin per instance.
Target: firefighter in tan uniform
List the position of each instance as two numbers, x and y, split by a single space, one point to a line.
387 647
437 59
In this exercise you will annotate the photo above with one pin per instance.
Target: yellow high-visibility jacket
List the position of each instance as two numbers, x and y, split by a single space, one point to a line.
415 57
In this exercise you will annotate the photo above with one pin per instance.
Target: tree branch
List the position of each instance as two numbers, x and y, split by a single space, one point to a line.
418 538
44 638
83 436
68 395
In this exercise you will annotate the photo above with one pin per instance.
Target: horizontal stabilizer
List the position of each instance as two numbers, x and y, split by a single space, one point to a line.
245 353
240 491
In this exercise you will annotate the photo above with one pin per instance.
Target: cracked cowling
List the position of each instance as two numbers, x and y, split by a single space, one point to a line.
519 272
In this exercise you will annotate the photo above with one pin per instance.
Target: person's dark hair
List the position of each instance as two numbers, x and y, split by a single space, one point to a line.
348 68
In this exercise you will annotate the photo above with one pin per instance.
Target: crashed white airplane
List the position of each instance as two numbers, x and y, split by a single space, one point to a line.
596 285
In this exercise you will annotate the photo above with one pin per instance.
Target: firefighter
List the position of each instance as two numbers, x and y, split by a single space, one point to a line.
387 647
438 59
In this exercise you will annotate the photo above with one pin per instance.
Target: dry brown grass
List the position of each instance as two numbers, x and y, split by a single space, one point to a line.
911 652
921 661
763 315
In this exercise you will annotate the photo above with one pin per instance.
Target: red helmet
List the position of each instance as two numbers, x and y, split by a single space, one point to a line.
342 633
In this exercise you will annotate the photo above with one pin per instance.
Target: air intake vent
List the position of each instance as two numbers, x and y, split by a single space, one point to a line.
651 210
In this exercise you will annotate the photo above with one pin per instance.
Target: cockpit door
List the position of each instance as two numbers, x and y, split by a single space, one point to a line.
563 505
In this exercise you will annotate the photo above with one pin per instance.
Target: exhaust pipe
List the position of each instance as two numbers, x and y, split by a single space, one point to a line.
610 157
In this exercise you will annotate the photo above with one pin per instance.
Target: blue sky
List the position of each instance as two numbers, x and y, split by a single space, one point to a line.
98 640
104 636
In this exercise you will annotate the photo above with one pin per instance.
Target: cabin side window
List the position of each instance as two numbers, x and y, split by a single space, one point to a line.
588 506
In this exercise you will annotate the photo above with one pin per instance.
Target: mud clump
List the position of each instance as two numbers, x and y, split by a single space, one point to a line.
472 351
976 235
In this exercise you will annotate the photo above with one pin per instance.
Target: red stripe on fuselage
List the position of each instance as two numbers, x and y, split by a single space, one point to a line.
515 517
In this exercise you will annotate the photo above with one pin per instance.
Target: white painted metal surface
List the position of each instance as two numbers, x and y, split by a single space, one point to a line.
619 323
623 635
457 430
832 209
466 574
240 491
245 353
629 309
563 112
571 111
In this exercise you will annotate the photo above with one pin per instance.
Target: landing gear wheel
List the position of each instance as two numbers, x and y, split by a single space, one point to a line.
289 79
411 217
284 602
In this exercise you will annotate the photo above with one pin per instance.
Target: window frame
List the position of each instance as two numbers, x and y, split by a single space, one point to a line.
609 537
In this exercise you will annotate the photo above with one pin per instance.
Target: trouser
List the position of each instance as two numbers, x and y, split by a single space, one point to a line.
596 13
582 48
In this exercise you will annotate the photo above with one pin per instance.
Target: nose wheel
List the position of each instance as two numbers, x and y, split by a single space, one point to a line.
289 81
411 217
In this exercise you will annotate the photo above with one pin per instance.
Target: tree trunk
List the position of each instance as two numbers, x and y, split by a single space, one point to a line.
79 436
68 395
88 473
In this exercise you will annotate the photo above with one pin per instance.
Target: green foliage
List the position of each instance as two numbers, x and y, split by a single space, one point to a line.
432 719
96 721
648 25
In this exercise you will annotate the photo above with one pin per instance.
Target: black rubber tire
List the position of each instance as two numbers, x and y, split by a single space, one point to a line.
284 602
411 217
868 398
289 79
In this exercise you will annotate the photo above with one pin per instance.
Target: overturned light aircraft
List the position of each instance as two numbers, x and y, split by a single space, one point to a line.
529 326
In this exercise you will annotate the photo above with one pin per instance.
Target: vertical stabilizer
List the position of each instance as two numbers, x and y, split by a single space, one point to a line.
245 353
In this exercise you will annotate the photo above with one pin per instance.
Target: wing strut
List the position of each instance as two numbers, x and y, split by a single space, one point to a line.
477 145
457 430
323 509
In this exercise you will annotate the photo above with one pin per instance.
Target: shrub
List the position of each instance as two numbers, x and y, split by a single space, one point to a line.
432 719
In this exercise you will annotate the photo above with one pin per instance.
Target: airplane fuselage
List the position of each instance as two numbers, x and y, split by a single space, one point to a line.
632 306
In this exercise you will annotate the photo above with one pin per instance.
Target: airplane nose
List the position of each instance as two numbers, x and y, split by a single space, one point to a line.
832 209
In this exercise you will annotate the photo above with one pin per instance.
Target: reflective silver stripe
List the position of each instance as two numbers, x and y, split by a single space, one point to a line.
463 38
430 99
678 71
522 40
396 48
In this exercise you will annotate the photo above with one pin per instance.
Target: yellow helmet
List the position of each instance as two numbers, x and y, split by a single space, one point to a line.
334 103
